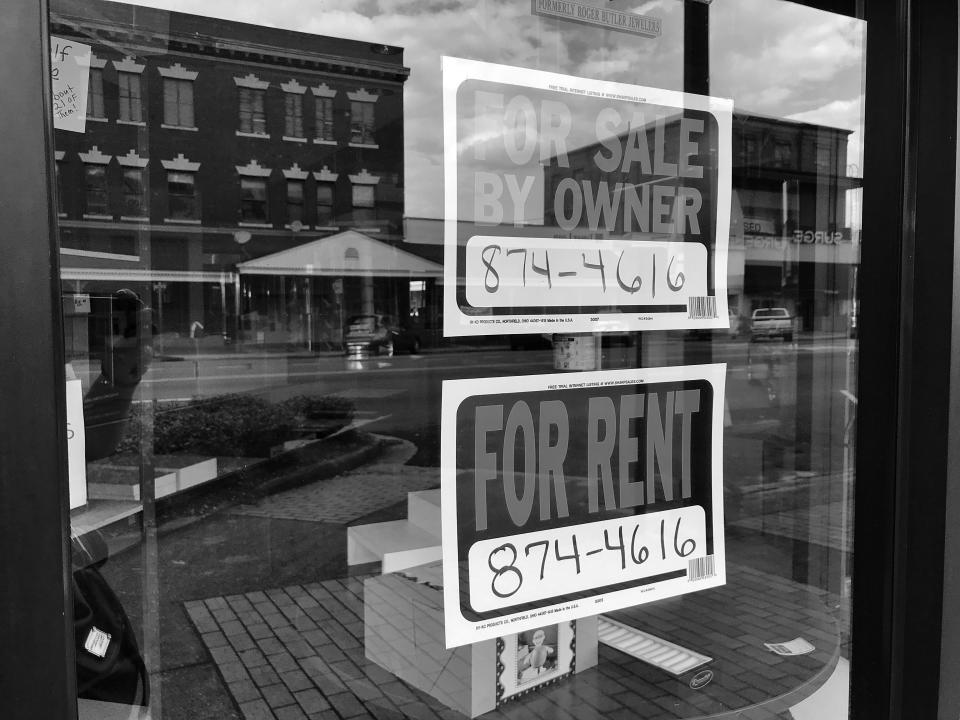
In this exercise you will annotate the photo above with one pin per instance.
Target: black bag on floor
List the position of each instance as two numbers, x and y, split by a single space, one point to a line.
110 667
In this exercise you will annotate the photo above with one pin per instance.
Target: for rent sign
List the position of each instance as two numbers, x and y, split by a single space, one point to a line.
565 495
575 205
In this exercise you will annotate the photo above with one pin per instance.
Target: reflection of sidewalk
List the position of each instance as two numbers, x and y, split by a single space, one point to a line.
347 497
276 631
297 652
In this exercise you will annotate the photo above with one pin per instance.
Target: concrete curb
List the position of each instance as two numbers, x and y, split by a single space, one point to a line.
318 461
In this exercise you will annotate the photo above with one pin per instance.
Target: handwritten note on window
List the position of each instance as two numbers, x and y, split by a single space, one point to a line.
69 73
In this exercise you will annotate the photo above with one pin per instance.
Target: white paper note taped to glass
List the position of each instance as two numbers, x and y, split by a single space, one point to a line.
69 77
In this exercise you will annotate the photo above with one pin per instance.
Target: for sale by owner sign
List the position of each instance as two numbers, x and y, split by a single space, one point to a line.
575 205
564 496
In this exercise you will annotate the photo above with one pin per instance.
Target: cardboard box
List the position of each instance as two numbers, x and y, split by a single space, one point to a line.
404 634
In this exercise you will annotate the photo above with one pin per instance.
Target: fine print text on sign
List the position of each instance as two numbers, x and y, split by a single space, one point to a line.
565 495
575 205
69 75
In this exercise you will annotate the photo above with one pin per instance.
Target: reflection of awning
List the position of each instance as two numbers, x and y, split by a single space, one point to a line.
137 275
346 254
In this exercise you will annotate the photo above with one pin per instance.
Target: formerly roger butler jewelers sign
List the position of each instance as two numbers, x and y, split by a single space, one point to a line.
569 495
606 18
576 205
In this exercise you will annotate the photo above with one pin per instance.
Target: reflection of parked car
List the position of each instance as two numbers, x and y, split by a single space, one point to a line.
771 322
378 335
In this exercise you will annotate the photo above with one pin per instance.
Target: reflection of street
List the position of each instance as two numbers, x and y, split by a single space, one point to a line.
781 400
761 379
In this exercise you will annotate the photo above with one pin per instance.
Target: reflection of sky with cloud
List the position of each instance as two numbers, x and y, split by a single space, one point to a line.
782 59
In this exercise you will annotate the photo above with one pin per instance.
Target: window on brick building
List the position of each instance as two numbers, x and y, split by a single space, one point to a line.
134 192
293 115
130 97
178 102
253 114
253 200
183 196
95 94
95 190
323 107
295 201
325 196
361 123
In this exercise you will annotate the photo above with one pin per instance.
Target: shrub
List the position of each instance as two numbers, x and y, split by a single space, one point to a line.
235 425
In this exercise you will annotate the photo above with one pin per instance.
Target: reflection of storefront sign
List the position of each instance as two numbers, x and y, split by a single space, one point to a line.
821 237
608 19
764 241
759 226
799 237
577 205
69 73
567 495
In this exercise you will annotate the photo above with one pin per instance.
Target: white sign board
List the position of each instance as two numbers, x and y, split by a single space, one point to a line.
69 75
578 205
565 496
76 444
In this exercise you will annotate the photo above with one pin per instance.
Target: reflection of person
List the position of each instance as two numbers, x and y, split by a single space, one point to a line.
534 659
127 354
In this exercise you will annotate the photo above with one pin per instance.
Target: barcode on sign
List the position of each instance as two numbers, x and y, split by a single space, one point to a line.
702 307
701 568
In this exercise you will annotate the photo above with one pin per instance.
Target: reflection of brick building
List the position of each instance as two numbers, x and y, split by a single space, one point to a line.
790 239
790 181
209 143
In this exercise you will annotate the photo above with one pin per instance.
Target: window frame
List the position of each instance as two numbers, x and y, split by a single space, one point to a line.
97 172
325 220
130 105
142 205
917 41
250 203
177 200
323 119
182 106
251 110
96 109
293 202
362 123
293 115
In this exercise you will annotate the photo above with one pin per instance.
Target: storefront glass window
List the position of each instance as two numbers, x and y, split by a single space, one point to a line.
534 394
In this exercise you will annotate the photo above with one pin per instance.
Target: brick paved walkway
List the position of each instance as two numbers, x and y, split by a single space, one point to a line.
297 652
346 497
818 524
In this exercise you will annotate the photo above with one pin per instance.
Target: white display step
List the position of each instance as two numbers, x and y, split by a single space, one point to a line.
423 510
651 649
398 544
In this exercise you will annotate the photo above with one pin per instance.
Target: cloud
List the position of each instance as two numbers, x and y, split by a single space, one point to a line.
784 61
846 114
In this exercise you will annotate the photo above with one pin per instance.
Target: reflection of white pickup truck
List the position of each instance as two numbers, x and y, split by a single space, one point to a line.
771 322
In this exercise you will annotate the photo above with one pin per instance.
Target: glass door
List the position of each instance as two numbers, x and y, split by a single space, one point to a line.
455 359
